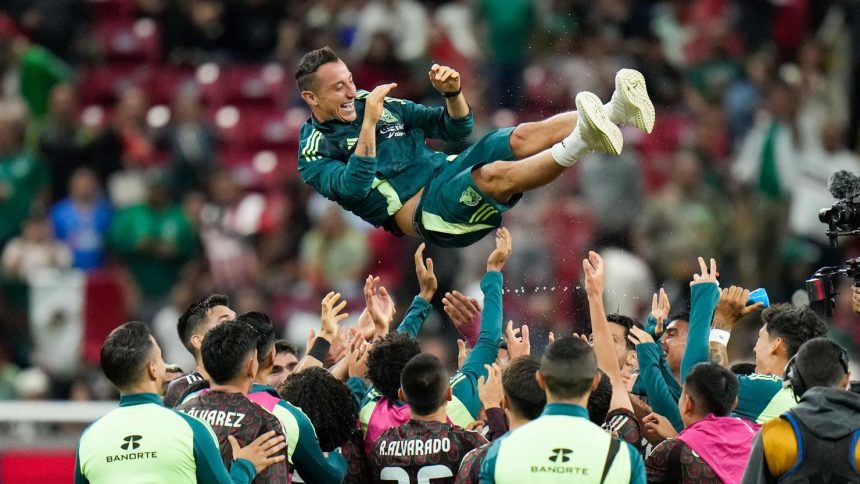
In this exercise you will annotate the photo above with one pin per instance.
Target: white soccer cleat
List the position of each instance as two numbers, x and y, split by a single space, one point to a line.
597 131
630 102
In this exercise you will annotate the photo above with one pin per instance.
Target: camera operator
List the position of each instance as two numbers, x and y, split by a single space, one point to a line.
817 440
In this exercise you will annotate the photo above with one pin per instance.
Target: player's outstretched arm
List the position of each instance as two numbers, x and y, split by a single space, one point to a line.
447 82
420 308
487 347
604 349
704 293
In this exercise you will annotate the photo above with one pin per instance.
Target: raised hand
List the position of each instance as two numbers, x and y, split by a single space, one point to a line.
497 259
380 306
374 102
463 311
518 340
357 358
594 275
426 278
660 310
732 306
331 316
444 79
490 387
706 276
462 353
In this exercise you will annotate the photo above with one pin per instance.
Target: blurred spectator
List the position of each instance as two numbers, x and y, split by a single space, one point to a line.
192 143
509 26
82 220
194 31
59 25
768 162
604 198
406 21
24 181
127 142
252 27
155 240
334 255
681 223
63 141
380 66
34 250
227 227
809 194
8 375
38 70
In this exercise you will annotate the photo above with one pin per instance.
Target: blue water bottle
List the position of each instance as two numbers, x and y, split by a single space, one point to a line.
759 295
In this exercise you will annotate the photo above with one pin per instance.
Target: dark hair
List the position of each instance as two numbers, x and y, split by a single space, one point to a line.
625 322
386 360
743 368
821 363
568 367
284 346
525 396
226 348
795 325
308 65
326 401
713 387
424 382
263 329
125 352
680 315
195 316
599 400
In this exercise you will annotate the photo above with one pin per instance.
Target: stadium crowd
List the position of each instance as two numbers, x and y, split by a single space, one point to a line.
147 166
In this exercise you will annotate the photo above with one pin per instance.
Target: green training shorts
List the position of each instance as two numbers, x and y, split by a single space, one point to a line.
453 211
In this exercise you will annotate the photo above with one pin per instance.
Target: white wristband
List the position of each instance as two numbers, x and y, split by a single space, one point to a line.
720 336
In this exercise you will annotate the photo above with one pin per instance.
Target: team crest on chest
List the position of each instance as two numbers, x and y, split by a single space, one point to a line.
470 197
387 117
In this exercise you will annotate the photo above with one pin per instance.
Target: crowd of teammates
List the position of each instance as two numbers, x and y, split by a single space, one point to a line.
366 404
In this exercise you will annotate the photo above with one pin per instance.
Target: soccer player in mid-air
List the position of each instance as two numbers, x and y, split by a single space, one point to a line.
427 447
367 151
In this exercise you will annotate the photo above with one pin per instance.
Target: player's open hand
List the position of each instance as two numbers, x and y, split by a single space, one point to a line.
380 307
373 105
444 79
490 387
331 315
732 306
706 276
638 336
660 310
264 451
496 261
517 340
594 275
463 311
426 277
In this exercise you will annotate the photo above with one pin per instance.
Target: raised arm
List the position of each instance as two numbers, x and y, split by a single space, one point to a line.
651 378
704 292
420 308
330 319
447 82
604 347
731 307
487 347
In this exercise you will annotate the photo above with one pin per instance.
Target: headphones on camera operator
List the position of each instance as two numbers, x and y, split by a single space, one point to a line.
795 378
